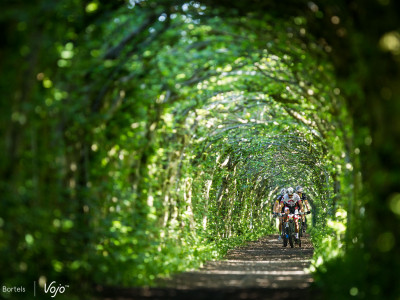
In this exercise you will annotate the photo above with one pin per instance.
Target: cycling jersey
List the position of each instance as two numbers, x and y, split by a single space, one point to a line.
304 200
291 202
279 198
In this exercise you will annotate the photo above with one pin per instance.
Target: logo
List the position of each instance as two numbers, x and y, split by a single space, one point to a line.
53 289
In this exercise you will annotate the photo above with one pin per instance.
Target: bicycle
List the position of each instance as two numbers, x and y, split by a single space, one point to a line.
288 229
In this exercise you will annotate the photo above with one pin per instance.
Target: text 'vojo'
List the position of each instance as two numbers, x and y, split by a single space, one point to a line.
53 289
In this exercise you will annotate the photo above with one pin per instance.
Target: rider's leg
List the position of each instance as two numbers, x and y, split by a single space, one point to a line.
280 228
296 229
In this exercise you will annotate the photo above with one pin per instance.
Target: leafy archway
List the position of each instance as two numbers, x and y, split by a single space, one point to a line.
148 136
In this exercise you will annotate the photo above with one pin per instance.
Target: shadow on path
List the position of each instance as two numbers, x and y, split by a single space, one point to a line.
262 269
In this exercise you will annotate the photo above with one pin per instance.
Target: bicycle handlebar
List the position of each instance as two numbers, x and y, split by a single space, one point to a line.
300 213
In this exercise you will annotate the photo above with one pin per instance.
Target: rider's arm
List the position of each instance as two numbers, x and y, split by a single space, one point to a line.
301 206
280 207
276 204
306 204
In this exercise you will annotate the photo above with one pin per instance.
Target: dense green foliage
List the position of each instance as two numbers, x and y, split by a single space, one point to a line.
142 138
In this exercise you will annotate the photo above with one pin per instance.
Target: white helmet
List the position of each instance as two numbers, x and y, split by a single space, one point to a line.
290 191
283 191
299 189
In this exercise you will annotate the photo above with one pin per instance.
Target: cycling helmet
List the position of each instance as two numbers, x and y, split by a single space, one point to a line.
283 191
299 189
290 191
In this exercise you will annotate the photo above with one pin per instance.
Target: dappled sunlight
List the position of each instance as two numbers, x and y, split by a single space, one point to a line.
261 264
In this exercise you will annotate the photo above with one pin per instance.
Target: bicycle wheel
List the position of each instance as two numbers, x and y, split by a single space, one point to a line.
285 236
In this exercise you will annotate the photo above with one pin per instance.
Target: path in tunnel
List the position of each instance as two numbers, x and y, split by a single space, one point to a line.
262 269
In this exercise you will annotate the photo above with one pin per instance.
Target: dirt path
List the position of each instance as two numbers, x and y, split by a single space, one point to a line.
262 269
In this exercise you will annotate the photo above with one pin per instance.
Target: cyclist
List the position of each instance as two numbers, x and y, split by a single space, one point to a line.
293 202
276 210
306 205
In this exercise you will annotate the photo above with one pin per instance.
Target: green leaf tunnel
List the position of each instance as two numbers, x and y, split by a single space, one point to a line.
142 138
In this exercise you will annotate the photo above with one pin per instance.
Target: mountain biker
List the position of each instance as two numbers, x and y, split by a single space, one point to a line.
306 205
276 209
293 202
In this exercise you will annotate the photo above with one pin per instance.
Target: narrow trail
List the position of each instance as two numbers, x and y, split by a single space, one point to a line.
262 269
